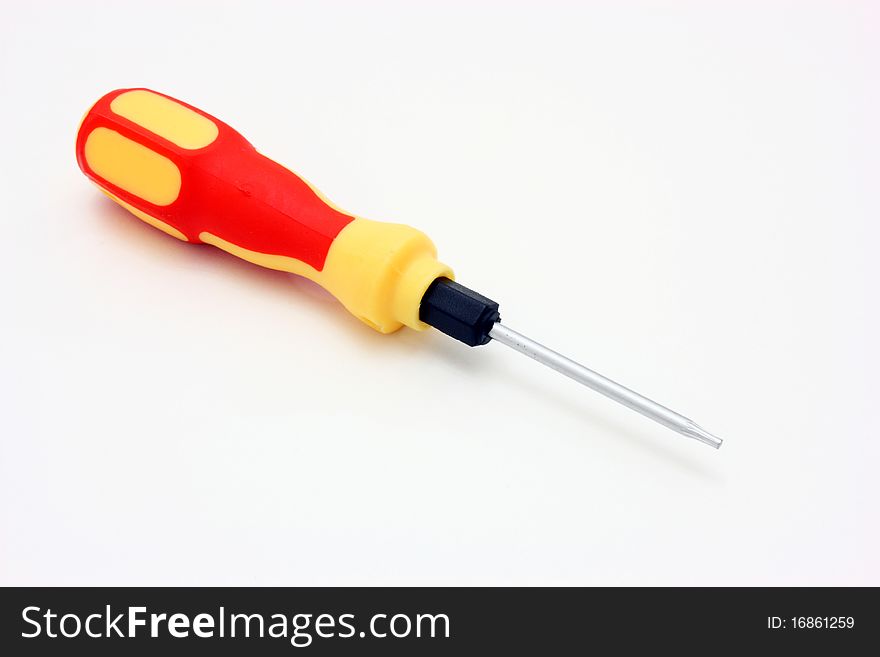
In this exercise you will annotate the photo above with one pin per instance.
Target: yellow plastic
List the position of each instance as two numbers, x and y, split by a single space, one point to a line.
378 271
148 218
166 118
132 166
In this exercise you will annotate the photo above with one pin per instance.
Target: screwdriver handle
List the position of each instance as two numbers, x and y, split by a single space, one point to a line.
192 176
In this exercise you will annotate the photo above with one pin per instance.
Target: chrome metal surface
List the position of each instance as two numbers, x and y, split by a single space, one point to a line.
603 385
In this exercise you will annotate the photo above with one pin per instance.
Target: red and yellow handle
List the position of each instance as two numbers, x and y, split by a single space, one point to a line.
195 178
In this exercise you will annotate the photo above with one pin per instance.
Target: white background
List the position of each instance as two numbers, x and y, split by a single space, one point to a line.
682 196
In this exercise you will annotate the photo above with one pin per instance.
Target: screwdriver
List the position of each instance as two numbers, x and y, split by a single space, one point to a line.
192 176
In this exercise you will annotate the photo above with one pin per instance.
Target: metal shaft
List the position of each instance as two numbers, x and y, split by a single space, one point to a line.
599 383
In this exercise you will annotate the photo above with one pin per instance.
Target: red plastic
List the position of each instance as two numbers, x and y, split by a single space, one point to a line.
228 189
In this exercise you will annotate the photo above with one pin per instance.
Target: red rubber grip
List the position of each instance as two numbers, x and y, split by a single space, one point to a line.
227 189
